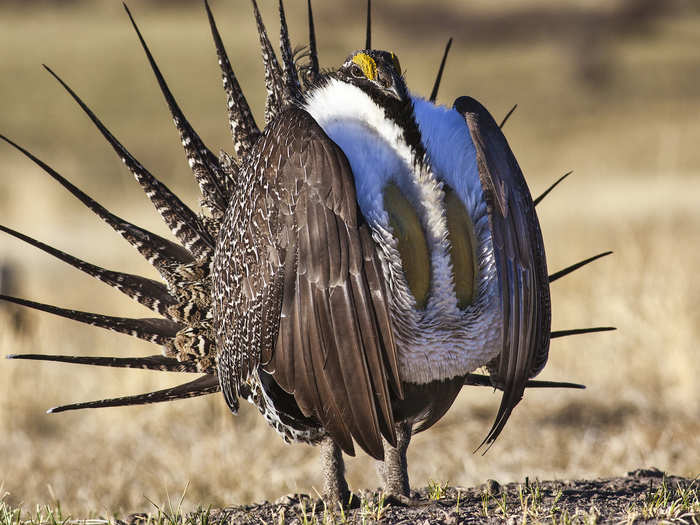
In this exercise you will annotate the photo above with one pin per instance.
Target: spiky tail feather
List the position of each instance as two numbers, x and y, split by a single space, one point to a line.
151 362
505 119
214 183
182 221
243 127
441 69
150 293
274 80
485 380
204 385
577 331
556 182
314 69
368 29
158 330
289 70
164 255
576 266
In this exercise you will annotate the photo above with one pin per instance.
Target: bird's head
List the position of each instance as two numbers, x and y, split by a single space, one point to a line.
377 73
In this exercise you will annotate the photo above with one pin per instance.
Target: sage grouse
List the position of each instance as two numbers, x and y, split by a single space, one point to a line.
357 261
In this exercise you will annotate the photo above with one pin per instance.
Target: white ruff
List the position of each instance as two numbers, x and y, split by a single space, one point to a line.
442 341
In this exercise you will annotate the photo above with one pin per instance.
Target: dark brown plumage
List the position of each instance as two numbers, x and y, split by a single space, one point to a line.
313 311
520 259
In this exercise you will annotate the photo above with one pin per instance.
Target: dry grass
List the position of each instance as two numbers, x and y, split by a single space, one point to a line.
633 144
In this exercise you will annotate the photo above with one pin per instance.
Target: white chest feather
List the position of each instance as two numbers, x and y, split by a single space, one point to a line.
441 340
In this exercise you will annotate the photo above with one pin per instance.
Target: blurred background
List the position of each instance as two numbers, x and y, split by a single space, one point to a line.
609 89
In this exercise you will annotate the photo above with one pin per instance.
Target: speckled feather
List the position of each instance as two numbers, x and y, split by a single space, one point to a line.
156 330
152 362
164 255
185 225
290 75
204 385
150 293
290 292
274 80
214 183
243 127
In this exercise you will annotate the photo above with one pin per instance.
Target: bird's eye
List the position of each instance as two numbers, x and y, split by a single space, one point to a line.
356 71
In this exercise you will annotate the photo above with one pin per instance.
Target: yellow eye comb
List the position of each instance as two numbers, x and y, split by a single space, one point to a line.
367 63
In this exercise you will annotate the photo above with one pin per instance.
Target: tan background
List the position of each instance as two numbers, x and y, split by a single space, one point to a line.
608 89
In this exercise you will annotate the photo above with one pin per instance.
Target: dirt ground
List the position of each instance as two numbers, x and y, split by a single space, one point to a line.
643 496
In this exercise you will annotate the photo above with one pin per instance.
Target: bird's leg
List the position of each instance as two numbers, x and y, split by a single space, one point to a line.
335 488
394 469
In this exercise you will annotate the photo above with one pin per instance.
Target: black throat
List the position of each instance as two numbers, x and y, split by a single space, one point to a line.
402 113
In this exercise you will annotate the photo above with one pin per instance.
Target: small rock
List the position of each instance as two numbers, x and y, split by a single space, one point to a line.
651 472
493 487
451 518
289 499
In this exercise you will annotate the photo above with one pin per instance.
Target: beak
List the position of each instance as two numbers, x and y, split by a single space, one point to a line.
397 89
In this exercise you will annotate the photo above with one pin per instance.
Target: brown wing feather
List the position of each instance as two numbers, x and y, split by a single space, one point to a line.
323 287
520 260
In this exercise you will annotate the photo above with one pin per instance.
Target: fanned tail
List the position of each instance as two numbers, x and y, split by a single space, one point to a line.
161 253
157 330
182 221
150 293
151 362
243 127
185 330
214 183
204 385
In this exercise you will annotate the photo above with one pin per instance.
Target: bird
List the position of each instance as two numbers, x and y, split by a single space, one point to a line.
354 263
